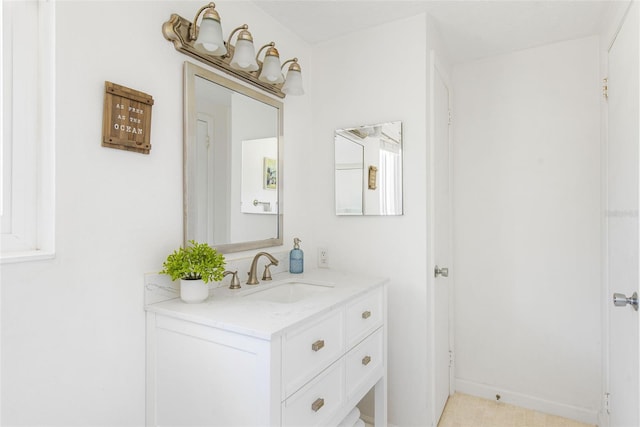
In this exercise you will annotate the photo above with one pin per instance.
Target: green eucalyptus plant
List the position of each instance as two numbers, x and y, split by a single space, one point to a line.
198 261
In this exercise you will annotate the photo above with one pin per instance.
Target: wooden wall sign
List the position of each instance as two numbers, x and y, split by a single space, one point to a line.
126 120
373 171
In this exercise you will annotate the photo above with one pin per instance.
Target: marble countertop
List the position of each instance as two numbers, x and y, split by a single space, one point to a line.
244 311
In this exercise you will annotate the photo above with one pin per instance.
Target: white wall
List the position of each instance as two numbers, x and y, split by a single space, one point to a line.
527 227
73 328
362 79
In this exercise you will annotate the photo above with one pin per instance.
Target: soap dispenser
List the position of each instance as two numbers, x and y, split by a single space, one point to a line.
296 258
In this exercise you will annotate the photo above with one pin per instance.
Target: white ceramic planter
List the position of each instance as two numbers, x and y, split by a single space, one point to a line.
193 291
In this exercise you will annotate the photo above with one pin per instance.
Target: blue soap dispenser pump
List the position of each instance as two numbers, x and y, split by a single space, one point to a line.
296 258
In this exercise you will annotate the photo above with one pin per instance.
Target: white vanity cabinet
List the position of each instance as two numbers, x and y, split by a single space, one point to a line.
236 362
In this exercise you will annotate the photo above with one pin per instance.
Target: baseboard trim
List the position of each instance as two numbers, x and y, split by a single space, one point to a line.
486 391
367 419
603 419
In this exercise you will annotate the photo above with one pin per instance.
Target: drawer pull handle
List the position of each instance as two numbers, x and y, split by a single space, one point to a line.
317 345
366 314
319 403
366 360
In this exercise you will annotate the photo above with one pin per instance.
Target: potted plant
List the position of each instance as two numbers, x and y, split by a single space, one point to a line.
195 266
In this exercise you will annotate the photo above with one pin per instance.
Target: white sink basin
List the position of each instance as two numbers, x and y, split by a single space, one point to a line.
289 292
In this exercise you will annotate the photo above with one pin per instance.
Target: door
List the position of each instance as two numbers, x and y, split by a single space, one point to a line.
622 223
203 179
442 243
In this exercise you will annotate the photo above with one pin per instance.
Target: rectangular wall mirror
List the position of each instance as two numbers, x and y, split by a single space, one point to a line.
232 163
368 170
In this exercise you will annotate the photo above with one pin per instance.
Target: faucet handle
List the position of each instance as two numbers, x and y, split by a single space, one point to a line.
267 273
235 283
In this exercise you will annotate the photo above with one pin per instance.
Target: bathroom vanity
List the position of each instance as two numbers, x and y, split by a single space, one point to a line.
301 350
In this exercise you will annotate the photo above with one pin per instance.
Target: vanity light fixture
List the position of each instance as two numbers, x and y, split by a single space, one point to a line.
206 44
271 71
293 82
209 37
244 57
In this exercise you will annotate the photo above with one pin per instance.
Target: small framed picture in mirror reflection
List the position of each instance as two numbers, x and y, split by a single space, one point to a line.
270 175
373 171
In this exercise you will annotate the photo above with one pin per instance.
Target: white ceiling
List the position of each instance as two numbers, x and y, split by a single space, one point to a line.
470 29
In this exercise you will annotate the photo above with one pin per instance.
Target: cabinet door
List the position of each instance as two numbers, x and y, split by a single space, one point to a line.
212 381
365 363
364 315
318 401
310 348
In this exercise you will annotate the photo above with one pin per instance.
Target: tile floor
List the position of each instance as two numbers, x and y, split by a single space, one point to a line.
468 411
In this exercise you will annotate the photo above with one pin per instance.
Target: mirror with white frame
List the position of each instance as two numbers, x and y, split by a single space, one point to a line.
232 163
368 170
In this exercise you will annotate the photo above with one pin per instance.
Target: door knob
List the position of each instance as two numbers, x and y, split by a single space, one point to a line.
620 300
444 272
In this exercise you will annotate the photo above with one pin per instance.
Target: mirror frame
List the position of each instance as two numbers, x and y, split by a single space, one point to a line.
191 71
367 174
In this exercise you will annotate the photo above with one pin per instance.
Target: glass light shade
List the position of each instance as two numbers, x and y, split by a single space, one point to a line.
293 83
271 70
210 38
244 56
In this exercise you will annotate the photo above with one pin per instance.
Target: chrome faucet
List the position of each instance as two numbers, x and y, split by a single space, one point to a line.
253 277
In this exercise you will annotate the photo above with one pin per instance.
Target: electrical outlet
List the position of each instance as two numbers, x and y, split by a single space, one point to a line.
323 258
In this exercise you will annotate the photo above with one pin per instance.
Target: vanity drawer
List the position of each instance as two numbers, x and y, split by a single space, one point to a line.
310 348
318 401
365 361
364 315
